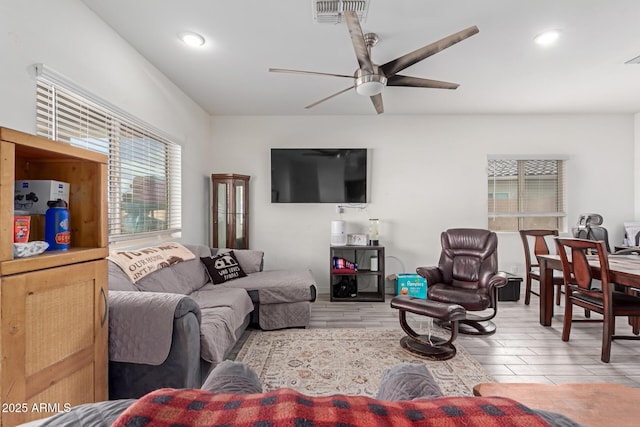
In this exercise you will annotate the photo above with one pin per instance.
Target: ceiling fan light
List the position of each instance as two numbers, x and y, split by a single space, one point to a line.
191 39
369 88
370 84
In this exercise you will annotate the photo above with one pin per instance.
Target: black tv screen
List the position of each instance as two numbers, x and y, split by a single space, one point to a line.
320 175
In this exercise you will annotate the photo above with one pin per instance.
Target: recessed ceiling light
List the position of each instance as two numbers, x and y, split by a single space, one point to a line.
191 39
547 38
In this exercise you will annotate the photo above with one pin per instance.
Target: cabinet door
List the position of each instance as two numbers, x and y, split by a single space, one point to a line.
54 340
239 220
230 211
220 213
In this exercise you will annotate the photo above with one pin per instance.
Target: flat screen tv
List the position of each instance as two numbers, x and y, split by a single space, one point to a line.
318 175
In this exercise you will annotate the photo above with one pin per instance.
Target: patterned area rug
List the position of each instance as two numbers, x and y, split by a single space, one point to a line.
320 362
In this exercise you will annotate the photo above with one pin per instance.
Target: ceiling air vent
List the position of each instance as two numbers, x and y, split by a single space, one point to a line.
332 11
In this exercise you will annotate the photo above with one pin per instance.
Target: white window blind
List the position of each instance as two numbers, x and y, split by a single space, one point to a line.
144 194
526 194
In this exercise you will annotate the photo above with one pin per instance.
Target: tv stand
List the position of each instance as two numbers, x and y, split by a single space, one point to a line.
363 284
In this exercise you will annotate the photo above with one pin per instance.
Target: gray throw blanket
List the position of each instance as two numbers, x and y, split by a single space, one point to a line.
143 331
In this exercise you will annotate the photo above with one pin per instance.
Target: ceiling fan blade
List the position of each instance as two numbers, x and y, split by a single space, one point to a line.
357 39
328 97
399 64
284 70
377 102
398 80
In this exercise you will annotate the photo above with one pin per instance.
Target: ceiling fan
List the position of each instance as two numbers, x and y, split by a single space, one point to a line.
370 79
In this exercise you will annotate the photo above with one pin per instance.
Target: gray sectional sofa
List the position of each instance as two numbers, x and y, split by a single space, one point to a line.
170 328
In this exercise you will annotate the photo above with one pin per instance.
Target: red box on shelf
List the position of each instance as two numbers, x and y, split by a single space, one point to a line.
21 226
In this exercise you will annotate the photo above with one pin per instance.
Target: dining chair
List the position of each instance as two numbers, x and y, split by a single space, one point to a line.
579 290
634 322
535 243
589 227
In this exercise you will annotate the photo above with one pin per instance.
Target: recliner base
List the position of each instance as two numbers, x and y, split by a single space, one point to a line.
441 349
470 326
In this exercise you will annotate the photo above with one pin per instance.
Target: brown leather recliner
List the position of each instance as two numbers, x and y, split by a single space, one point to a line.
467 274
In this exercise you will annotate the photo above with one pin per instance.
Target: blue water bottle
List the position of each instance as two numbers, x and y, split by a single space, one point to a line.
56 225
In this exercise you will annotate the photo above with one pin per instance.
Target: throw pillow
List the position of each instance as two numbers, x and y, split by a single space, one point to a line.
250 260
223 267
139 263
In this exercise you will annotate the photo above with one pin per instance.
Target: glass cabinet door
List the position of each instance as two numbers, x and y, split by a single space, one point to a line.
239 187
230 213
221 212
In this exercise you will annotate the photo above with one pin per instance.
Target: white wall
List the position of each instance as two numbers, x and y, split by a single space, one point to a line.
429 174
69 38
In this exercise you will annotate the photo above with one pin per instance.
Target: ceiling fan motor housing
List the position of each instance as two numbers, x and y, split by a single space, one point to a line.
370 84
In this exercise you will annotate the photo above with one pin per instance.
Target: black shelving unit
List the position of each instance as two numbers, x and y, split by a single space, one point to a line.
362 284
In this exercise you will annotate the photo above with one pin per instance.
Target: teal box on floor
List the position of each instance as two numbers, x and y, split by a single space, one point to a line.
413 285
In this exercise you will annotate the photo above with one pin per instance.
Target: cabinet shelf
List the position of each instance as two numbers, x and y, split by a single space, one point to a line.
51 259
361 285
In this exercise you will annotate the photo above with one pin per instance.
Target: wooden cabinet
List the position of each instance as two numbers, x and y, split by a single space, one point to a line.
230 211
366 283
53 306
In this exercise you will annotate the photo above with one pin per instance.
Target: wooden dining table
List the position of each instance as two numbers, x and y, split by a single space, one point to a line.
623 270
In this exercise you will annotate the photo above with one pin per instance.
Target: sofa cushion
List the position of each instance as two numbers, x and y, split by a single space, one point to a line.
192 272
118 279
181 278
223 267
163 280
223 313
277 286
250 260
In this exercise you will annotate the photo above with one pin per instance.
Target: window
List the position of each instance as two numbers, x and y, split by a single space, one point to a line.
526 194
144 194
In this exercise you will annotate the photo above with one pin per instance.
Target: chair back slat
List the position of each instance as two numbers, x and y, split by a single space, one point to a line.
581 269
540 246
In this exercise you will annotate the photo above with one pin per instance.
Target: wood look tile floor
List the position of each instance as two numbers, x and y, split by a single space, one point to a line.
521 350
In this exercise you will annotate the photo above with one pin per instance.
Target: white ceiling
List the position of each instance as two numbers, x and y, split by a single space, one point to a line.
500 70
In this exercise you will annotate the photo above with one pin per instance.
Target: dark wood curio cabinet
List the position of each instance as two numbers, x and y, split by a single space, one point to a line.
230 211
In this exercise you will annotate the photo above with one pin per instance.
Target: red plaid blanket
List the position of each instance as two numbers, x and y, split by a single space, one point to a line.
286 407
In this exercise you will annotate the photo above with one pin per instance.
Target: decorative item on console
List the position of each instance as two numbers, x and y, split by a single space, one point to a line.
374 231
357 239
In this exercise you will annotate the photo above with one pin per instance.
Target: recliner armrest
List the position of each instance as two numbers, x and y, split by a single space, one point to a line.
498 280
431 274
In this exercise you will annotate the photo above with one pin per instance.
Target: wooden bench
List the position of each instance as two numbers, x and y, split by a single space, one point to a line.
592 404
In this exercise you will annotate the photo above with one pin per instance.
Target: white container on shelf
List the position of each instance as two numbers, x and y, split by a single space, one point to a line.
373 263
338 233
